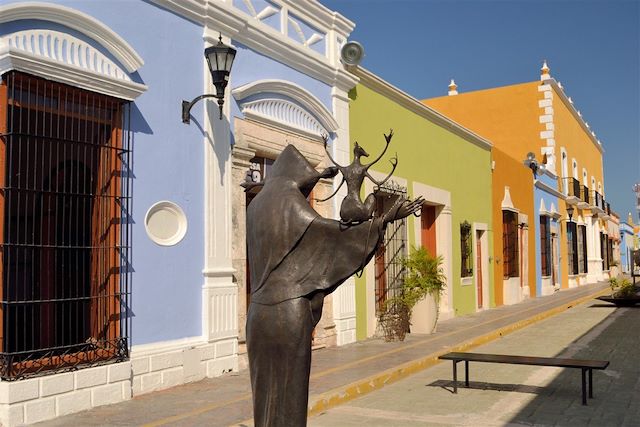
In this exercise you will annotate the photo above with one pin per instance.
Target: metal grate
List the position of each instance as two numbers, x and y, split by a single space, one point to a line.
466 252
389 272
64 233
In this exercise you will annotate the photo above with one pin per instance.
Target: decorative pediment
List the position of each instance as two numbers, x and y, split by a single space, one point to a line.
63 48
285 105
284 113
76 20
101 62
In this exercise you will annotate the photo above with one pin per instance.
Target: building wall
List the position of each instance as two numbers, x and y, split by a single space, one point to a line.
511 173
507 116
546 203
428 155
539 117
163 150
184 310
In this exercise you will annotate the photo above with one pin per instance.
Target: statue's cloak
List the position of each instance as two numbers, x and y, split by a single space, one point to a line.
296 257
292 250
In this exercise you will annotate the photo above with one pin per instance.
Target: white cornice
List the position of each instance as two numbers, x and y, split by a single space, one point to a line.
290 90
560 92
15 59
221 16
320 16
376 83
79 21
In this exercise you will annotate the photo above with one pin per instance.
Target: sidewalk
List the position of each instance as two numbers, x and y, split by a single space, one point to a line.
519 395
338 374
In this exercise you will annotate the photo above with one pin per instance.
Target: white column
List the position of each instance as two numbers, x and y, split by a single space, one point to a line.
344 298
594 258
219 292
591 247
444 241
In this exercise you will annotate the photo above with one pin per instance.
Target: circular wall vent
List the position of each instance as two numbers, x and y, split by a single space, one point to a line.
165 223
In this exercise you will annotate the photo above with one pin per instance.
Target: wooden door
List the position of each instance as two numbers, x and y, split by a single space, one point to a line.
479 267
428 223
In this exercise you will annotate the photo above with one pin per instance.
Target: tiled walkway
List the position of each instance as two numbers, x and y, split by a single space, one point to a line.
516 395
338 375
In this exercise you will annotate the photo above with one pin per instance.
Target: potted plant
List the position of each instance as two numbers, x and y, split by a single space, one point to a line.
423 283
623 293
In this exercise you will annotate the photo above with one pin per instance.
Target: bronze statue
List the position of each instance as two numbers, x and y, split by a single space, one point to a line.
352 209
296 258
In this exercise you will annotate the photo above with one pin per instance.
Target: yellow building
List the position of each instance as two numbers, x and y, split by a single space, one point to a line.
539 117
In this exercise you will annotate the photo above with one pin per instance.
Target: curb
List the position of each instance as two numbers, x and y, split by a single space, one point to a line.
343 394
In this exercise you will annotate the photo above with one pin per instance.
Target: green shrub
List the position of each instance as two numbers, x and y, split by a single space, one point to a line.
621 288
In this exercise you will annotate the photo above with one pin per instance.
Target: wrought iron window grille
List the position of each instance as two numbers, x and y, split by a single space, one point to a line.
65 193
389 270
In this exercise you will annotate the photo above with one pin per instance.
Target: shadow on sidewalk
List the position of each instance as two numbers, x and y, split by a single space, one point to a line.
615 389
478 385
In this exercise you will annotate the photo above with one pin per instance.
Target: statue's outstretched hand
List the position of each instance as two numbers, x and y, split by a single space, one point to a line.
329 172
403 208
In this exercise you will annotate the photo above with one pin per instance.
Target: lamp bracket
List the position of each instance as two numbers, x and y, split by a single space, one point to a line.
186 106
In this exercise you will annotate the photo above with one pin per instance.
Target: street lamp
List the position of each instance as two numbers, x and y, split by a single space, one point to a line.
220 59
570 212
536 167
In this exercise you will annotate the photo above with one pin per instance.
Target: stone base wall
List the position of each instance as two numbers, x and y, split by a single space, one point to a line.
151 368
37 399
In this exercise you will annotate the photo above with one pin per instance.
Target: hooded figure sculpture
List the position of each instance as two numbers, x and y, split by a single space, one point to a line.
296 257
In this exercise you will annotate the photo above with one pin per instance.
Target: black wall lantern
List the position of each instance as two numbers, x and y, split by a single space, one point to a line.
220 59
570 212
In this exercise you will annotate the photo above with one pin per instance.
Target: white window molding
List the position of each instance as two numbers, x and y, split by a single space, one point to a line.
293 108
79 21
64 58
507 203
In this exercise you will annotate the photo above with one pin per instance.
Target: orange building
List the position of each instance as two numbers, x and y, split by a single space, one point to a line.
538 117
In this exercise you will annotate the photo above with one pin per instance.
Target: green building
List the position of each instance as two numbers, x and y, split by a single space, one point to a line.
450 167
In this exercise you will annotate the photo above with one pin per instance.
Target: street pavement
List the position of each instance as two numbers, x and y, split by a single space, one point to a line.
403 383
517 395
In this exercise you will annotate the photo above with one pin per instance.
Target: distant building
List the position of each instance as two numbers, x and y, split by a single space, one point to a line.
628 242
561 213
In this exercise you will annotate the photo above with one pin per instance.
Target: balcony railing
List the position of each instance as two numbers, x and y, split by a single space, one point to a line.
598 202
585 194
572 187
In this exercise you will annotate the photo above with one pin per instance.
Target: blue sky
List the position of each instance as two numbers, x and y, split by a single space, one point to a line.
592 47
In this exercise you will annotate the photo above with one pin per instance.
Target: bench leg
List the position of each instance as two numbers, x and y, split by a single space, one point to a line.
455 376
466 373
584 386
590 383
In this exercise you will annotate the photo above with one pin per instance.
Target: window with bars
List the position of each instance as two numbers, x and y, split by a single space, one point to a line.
510 252
389 270
582 229
580 249
604 251
572 247
466 250
545 245
64 234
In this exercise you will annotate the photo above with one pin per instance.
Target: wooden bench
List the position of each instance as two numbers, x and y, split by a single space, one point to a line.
587 366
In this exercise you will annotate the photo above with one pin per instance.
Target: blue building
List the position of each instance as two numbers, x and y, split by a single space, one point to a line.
548 222
124 260
628 242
